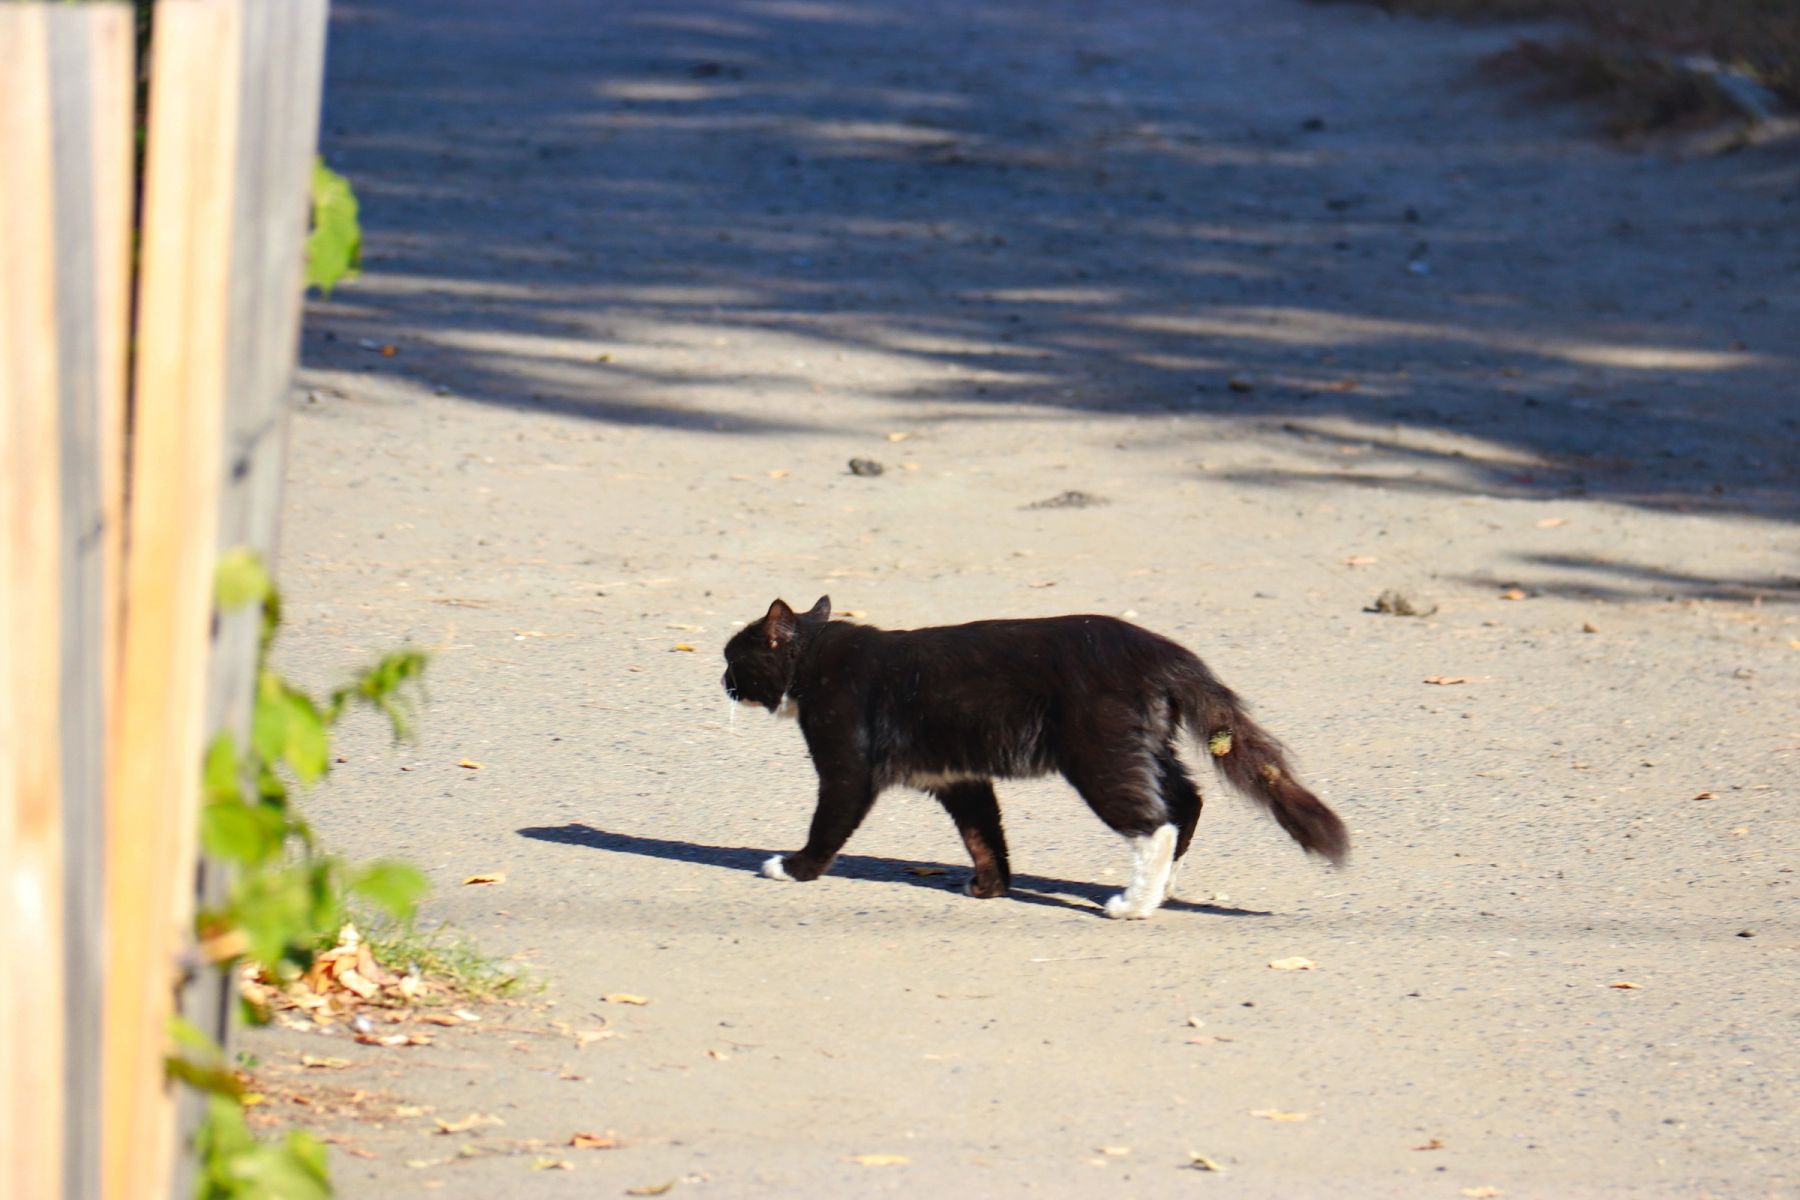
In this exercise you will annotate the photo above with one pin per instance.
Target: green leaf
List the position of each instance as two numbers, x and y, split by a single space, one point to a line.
395 886
222 770
242 833
308 747
241 579
334 247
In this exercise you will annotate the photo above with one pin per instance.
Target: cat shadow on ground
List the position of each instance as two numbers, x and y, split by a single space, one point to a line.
1031 889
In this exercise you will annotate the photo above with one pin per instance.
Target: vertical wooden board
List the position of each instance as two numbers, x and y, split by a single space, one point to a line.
90 60
31 1034
283 53
172 531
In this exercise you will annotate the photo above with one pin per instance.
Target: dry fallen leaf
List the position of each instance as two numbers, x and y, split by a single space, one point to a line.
718 1055
625 998
1513 593
651 1189
926 871
594 1141
323 1064
552 1164
898 437
1113 1151
1446 680
1202 1163
1275 1114
469 764
1291 964
1206 1039
1481 1193
1433 1144
472 1121
1361 560
585 1036
490 877
774 473
880 1160
1196 1023
437 1019
1625 985
1552 522
684 647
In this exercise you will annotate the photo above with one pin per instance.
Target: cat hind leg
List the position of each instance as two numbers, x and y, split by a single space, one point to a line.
972 804
1122 787
1152 858
1184 803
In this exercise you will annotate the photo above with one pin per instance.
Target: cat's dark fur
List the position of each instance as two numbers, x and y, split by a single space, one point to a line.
951 709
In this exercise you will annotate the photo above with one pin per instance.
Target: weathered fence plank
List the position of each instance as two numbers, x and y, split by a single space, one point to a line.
31 837
172 530
91 71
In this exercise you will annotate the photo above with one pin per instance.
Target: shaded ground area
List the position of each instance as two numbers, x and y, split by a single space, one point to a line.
1316 313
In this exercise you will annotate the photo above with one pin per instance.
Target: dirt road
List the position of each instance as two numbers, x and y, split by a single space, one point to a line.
1316 314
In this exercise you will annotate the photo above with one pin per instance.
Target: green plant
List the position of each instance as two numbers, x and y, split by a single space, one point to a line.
287 896
334 245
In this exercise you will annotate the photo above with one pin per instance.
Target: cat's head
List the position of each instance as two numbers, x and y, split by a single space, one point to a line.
759 658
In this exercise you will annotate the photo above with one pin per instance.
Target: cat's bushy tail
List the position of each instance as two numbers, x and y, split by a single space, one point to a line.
1253 762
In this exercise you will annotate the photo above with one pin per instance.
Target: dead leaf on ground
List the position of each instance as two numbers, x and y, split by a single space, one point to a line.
1552 522
323 1064
394 1039
1446 680
552 1164
1433 1144
1276 1114
437 1019
1481 1193
1292 964
926 871
651 1189
1113 1151
718 1055
684 648
898 437
880 1160
489 877
585 1037
472 1121
468 764
594 1141
774 473
1513 593
1361 560
1625 985
625 998
1201 1162
1206 1039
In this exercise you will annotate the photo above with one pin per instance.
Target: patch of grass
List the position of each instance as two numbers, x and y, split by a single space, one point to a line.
452 964
1631 43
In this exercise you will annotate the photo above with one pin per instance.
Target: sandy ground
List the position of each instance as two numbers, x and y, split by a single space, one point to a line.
1317 313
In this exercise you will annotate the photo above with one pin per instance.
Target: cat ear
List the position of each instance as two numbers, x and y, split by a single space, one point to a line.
821 611
779 623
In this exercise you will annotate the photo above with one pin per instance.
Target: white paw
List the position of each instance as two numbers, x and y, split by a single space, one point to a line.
772 869
1120 908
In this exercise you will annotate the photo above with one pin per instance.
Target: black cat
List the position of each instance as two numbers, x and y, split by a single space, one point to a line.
949 710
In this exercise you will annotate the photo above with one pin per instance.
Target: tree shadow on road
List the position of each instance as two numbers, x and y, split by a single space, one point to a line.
1030 889
985 208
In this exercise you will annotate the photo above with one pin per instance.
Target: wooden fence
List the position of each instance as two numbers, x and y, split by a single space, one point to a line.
146 350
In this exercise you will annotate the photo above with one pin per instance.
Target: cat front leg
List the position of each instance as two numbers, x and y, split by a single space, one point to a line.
844 800
972 804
